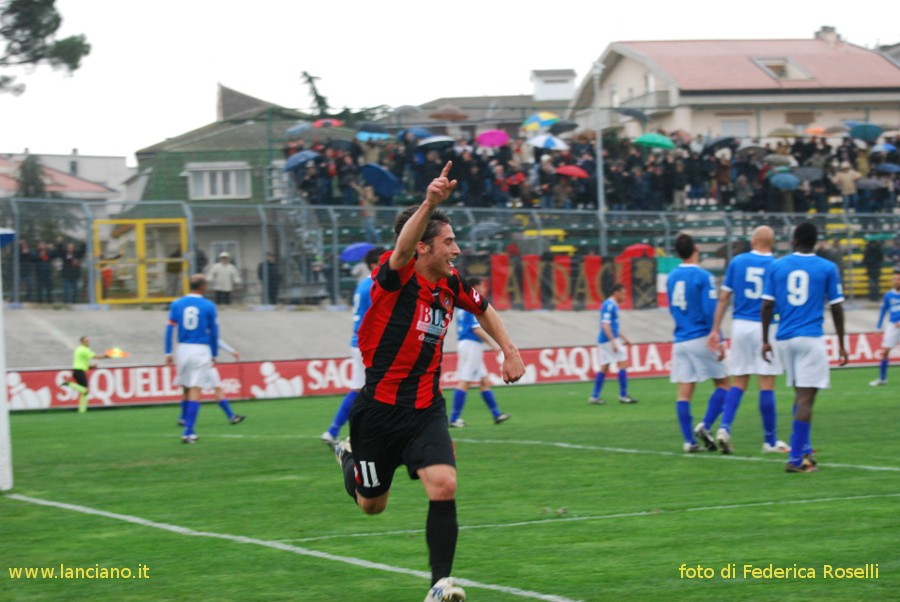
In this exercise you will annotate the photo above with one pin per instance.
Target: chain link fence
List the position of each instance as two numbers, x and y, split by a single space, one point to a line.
308 241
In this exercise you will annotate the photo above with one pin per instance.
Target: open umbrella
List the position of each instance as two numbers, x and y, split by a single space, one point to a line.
782 132
654 140
776 159
810 174
562 126
492 138
417 132
870 184
887 168
573 171
371 126
785 181
718 142
299 160
448 113
356 252
297 129
868 132
886 147
539 121
758 151
436 143
633 113
547 141
327 123
384 182
406 111
367 136
486 229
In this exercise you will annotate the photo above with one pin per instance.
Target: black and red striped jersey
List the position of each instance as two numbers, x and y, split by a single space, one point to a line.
402 335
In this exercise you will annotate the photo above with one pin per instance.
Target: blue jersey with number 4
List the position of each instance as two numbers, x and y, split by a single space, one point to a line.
196 321
800 285
744 279
692 301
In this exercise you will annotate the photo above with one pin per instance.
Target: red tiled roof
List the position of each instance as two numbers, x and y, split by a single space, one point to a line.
729 64
54 180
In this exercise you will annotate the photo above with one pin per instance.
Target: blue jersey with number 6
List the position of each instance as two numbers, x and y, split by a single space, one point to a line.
800 284
196 321
692 301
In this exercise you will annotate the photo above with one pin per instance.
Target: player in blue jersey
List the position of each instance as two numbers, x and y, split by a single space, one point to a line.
218 393
797 287
890 309
692 303
611 348
362 301
744 282
196 322
470 368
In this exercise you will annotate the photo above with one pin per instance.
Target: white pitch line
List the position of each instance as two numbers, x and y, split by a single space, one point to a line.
599 517
277 545
650 452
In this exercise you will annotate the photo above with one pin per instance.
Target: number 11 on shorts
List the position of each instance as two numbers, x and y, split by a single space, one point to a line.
368 474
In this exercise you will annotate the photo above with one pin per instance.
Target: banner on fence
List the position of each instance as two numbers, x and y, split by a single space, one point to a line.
144 385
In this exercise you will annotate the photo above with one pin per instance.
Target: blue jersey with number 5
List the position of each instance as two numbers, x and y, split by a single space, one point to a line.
692 301
800 285
744 279
196 321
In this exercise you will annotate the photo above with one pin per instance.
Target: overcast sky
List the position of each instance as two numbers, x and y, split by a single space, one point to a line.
154 66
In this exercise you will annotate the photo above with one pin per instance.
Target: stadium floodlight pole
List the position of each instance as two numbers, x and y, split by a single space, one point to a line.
6 474
601 193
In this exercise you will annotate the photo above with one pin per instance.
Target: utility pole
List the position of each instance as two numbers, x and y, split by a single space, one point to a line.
601 193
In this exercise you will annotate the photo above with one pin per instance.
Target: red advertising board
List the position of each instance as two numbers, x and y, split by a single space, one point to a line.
142 385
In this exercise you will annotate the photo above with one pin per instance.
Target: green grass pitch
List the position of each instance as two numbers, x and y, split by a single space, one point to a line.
566 501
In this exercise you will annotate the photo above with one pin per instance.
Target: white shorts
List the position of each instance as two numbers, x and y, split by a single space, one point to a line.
193 366
745 352
357 369
891 336
608 356
470 366
216 377
693 362
805 362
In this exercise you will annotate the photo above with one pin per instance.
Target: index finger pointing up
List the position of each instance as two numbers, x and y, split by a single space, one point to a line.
446 171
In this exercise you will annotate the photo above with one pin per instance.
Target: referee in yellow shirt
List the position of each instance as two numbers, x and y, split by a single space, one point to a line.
81 363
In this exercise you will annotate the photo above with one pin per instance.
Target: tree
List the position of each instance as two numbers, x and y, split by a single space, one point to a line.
31 178
29 28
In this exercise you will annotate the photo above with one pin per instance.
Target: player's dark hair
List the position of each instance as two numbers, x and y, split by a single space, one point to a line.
684 246
474 281
438 218
616 288
374 255
197 282
805 235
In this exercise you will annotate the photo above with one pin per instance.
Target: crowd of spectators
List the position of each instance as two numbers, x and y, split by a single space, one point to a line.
46 267
726 172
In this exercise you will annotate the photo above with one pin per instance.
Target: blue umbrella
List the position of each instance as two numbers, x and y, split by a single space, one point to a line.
384 182
785 181
868 132
366 136
299 160
887 147
887 168
417 132
356 252
547 141
296 130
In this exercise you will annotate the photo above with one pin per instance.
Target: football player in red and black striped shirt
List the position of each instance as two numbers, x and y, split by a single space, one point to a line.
400 416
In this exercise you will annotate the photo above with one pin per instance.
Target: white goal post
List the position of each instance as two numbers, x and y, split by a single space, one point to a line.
6 475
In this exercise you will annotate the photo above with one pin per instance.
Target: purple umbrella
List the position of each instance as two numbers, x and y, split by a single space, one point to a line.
492 138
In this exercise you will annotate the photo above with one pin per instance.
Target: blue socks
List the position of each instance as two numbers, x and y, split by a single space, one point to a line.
459 402
731 405
190 418
226 407
882 369
598 384
184 408
685 421
767 412
714 407
623 383
343 413
799 442
488 397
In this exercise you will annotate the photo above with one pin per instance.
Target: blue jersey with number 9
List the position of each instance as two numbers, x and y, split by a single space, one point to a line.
800 284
